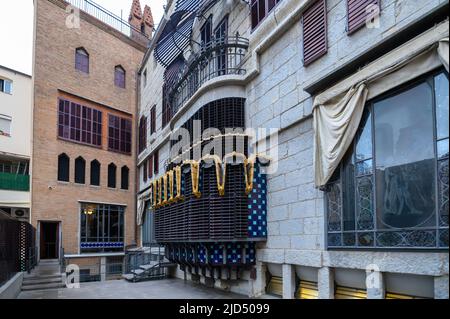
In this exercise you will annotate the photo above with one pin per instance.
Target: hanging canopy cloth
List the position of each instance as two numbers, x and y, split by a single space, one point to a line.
338 111
177 32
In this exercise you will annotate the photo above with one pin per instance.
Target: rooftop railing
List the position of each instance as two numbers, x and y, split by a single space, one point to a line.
105 16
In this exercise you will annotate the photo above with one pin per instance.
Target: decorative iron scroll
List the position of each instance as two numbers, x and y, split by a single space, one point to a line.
162 189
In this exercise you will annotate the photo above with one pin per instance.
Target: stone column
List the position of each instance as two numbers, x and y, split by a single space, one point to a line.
288 282
257 286
375 284
103 268
441 287
326 283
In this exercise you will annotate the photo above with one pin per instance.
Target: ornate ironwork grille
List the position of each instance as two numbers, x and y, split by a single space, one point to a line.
391 189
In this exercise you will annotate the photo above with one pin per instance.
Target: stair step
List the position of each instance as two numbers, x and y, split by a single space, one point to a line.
34 276
34 281
168 264
43 286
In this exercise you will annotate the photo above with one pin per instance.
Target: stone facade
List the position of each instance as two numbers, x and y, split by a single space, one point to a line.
275 87
55 77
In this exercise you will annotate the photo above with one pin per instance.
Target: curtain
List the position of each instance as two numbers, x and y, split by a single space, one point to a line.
141 207
338 111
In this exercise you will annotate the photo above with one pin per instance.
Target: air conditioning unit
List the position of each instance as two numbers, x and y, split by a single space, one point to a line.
20 213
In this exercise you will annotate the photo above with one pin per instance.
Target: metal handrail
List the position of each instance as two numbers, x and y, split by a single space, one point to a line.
105 16
223 56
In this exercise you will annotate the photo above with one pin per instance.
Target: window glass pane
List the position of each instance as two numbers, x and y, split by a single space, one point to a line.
5 126
442 149
348 182
441 91
404 153
364 144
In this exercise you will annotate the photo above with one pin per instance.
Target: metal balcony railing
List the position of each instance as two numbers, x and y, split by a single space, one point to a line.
14 182
220 57
105 16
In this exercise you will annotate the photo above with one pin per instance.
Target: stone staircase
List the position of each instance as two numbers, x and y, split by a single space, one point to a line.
47 275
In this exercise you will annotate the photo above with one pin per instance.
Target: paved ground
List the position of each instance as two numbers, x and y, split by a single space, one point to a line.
121 289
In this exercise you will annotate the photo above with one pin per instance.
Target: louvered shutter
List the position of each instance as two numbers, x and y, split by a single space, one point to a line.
358 11
314 32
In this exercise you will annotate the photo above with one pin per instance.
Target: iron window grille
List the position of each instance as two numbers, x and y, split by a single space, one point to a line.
400 201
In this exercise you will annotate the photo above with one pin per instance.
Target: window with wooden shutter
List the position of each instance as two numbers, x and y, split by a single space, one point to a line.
142 134
359 11
156 162
314 32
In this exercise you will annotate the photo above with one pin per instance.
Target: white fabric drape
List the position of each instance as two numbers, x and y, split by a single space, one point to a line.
142 199
338 112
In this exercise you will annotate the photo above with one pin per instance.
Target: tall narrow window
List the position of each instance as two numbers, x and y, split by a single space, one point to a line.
80 170
112 175
315 32
150 168
156 162
119 76
144 78
261 9
125 178
153 120
144 172
82 60
206 32
359 12
63 168
95 173
119 139
142 134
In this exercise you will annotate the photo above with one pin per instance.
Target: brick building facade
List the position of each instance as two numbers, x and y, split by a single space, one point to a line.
85 101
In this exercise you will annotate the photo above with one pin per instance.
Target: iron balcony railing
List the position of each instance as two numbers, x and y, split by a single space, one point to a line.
220 57
14 182
105 16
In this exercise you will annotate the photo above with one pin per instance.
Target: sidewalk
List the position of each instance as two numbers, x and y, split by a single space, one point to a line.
121 289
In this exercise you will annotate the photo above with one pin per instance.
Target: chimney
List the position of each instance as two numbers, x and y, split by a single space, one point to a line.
148 22
135 20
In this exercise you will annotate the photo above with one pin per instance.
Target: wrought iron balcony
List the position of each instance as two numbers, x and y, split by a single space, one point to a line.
220 57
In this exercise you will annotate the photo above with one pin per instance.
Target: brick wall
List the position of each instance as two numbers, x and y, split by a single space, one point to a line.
55 74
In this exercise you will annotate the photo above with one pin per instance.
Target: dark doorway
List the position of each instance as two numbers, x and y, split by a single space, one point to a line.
49 240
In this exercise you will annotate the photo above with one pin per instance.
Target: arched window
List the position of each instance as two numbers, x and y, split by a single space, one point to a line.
119 76
125 177
82 60
112 175
95 173
80 170
63 167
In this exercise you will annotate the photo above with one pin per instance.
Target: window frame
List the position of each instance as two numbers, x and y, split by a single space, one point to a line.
256 3
59 169
142 134
8 121
80 176
428 78
102 228
122 132
125 182
3 85
92 176
112 177
153 120
120 77
82 60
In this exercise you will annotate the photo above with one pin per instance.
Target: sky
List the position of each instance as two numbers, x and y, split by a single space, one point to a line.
16 23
